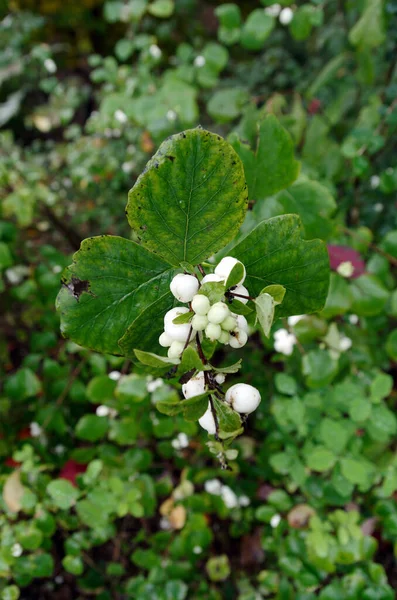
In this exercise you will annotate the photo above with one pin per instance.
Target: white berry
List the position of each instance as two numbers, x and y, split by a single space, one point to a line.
229 323
195 386
213 331
220 378
243 398
226 265
207 421
242 323
176 349
239 339
218 313
180 332
212 278
201 304
165 340
199 322
184 287
240 289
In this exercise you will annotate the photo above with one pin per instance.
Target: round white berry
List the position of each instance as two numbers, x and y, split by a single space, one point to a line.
165 340
229 323
201 304
212 278
242 323
176 349
207 421
179 333
286 16
218 313
195 386
220 378
243 398
240 289
239 339
213 331
184 287
226 265
199 322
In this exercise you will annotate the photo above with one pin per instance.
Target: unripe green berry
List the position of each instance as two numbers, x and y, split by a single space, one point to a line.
213 331
218 313
199 322
229 323
224 337
200 304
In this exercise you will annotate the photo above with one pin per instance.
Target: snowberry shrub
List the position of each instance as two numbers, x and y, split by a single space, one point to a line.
137 299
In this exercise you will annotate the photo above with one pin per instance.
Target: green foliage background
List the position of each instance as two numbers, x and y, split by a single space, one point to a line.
125 502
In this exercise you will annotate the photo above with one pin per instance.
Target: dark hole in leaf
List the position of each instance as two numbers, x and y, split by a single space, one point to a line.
77 286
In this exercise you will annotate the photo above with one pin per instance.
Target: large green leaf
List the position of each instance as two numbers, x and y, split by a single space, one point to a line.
191 199
314 203
275 253
272 167
110 283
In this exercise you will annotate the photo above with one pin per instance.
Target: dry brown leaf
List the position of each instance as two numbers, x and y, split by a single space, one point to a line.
300 515
13 491
177 517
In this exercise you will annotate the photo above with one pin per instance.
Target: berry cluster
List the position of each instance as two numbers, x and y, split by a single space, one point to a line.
243 398
215 321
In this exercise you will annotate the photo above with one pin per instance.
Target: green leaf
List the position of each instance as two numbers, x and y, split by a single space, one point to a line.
391 345
228 419
22 385
110 283
131 388
274 253
101 389
272 166
190 360
277 292
73 564
91 428
154 360
227 104
235 275
319 368
162 9
334 435
213 290
285 384
63 493
369 296
369 30
256 29
5 256
234 368
358 472
229 15
320 459
191 199
301 24
239 308
185 318
314 203
381 386
265 312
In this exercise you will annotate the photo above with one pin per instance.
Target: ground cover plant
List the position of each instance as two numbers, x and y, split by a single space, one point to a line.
202 198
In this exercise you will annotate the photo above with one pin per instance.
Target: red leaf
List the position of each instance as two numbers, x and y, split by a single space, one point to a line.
71 469
342 254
